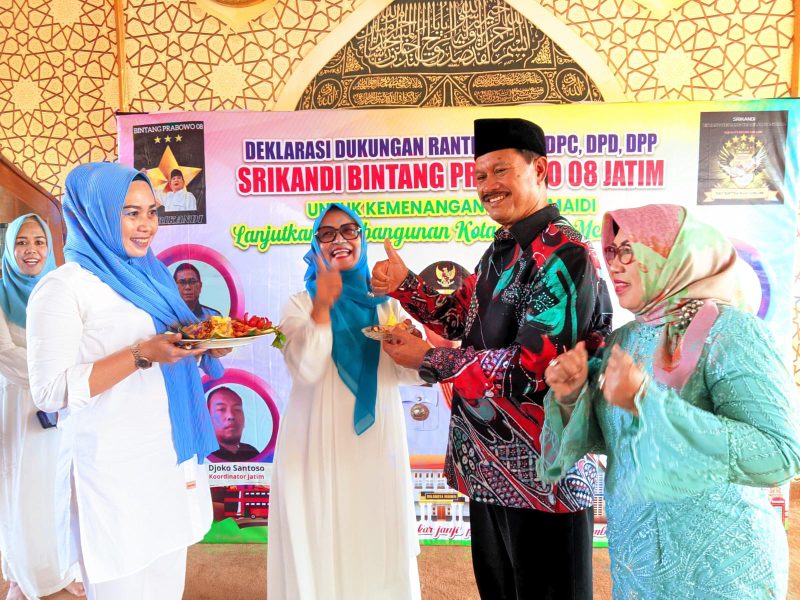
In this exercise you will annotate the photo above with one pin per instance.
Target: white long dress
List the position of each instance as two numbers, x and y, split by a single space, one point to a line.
341 522
134 502
30 509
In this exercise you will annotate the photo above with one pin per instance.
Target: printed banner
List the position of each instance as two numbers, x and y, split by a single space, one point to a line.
240 191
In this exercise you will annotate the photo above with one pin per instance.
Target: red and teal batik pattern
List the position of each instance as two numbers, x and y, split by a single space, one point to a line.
536 292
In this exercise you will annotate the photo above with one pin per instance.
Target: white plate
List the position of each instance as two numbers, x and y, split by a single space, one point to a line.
376 335
220 342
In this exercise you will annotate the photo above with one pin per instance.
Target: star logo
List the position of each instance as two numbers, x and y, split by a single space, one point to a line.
159 175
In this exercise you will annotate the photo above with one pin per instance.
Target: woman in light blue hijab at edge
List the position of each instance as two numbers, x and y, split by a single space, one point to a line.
32 562
15 285
342 436
108 308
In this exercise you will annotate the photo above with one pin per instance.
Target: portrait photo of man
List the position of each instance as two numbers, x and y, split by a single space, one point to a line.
178 198
228 419
190 285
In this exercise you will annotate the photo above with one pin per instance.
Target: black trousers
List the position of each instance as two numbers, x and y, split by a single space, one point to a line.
522 554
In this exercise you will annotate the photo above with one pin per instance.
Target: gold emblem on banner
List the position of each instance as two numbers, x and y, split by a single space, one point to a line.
743 160
446 277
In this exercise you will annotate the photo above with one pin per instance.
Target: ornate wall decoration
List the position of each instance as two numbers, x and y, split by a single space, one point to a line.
448 53
58 79
698 50
236 14
57 86
182 58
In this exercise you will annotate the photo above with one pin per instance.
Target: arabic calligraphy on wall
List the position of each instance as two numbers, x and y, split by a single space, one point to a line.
448 53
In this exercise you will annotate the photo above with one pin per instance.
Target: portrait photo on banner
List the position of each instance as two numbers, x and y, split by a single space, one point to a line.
173 157
242 422
202 287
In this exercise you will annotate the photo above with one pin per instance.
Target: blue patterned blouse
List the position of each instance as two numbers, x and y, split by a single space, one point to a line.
686 500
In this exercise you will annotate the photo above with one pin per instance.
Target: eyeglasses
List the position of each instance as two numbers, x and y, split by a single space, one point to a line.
624 253
348 231
192 281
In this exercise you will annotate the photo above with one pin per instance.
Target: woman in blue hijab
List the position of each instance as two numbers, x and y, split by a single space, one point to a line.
341 458
32 562
130 400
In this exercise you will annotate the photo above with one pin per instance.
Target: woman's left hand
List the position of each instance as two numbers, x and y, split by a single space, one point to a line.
219 352
621 380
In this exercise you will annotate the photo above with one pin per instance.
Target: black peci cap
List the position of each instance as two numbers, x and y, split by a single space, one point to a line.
499 134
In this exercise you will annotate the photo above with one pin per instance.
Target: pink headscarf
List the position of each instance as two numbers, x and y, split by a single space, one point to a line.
680 259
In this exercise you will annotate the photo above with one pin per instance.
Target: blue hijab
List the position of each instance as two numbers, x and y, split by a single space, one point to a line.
355 355
15 286
95 195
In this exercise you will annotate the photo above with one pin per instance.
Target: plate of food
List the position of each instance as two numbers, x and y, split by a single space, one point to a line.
210 344
382 332
229 332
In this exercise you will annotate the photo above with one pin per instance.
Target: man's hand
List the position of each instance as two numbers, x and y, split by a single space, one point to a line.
567 373
387 275
409 326
406 349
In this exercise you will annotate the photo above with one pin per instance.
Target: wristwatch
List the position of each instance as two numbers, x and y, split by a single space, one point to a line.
427 371
141 361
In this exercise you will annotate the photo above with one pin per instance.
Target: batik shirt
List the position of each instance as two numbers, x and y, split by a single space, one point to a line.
536 292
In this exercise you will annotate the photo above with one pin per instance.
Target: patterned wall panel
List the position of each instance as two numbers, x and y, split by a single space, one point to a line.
183 58
58 69
678 50
58 85
448 53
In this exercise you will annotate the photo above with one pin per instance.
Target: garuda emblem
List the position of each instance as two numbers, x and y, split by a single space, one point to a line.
742 158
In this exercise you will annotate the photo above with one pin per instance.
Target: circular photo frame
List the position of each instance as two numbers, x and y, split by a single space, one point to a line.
233 378
203 254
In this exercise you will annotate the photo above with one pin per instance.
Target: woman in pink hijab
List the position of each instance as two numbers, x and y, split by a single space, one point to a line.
694 408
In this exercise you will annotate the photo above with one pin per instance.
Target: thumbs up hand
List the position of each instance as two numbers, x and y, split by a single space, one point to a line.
387 275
